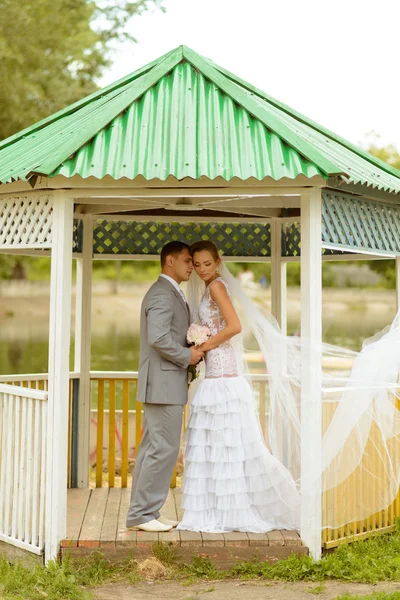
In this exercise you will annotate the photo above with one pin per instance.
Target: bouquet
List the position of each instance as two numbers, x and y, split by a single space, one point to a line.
196 335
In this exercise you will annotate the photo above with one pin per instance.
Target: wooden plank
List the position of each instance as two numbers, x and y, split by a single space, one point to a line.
275 538
236 538
177 492
170 537
125 432
125 537
146 538
99 433
258 539
110 523
292 538
213 539
93 521
191 538
77 502
169 509
111 434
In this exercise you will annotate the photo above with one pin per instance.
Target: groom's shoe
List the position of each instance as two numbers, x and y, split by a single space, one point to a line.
168 522
151 526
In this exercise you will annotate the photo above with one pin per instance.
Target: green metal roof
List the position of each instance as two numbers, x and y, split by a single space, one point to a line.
184 116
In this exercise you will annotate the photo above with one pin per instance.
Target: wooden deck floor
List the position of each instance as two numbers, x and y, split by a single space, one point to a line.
96 520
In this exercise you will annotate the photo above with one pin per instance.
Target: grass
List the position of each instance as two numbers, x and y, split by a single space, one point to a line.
56 582
369 561
66 581
376 596
318 589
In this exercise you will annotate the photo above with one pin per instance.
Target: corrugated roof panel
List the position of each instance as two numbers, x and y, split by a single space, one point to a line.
184 116
307 121
184 126
28 153
357 168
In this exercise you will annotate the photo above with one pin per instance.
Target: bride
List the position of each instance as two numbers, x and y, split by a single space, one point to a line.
231 481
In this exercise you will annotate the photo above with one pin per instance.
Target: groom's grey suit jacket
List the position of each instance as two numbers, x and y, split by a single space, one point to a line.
164 352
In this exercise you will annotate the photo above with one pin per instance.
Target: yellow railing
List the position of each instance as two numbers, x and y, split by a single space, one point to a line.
114 395
365 488
113 398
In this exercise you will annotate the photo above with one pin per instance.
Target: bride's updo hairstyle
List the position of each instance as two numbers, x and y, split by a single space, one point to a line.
205 245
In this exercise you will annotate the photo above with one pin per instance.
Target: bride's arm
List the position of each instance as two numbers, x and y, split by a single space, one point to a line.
220 296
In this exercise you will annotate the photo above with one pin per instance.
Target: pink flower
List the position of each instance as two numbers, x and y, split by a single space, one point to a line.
197 334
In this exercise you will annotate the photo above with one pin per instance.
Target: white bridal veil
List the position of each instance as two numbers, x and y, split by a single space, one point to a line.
360 409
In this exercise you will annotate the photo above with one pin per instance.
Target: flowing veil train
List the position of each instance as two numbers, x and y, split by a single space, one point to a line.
360 406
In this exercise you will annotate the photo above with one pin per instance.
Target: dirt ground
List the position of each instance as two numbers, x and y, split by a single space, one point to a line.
239 590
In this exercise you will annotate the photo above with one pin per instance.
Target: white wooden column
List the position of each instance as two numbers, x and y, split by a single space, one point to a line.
82 348
278 276
59 346
397 268
311 376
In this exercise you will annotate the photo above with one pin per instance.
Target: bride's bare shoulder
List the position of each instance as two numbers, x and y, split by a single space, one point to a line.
218 288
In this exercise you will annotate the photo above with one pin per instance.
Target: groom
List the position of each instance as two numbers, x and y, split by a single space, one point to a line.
163 387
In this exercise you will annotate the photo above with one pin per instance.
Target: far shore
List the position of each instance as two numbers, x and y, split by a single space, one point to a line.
25 305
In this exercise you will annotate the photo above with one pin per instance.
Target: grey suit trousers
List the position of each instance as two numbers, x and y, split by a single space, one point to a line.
155 461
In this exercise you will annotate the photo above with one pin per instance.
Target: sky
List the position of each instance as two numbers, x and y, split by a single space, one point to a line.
337 62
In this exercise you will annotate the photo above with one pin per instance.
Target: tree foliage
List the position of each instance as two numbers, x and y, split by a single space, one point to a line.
391 155
52 52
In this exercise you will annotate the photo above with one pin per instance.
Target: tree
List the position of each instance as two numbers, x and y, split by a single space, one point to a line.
391 155
52 52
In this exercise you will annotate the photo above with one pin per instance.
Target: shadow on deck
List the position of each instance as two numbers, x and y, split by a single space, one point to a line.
96 521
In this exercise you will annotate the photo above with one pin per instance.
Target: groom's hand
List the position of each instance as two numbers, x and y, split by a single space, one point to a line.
197 355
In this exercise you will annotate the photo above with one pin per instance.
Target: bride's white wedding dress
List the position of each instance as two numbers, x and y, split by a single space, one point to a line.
231 481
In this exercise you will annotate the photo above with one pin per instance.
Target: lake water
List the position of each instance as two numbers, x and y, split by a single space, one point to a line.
24 350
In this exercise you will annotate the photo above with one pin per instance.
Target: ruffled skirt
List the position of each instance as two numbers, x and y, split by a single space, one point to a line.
231 481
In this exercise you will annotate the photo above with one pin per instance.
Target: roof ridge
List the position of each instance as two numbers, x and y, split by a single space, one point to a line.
260 113
302 118
84 101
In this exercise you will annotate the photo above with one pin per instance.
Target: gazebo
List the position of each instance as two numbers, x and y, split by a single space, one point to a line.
182 149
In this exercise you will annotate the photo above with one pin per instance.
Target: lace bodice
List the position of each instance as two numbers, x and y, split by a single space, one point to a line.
221 361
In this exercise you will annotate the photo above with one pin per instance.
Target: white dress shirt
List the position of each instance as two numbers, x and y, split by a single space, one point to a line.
175 284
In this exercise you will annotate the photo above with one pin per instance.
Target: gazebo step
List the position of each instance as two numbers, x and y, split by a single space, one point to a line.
96 520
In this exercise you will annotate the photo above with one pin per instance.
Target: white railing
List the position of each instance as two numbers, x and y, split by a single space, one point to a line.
36 381
23 424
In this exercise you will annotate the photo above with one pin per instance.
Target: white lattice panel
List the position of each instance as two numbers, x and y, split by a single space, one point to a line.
26 222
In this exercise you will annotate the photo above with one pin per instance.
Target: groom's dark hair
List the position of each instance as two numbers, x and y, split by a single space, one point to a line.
173 248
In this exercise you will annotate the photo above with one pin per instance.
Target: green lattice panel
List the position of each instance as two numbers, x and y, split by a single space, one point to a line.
291 242
349 221
147 238
360 224
77 236
291 239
